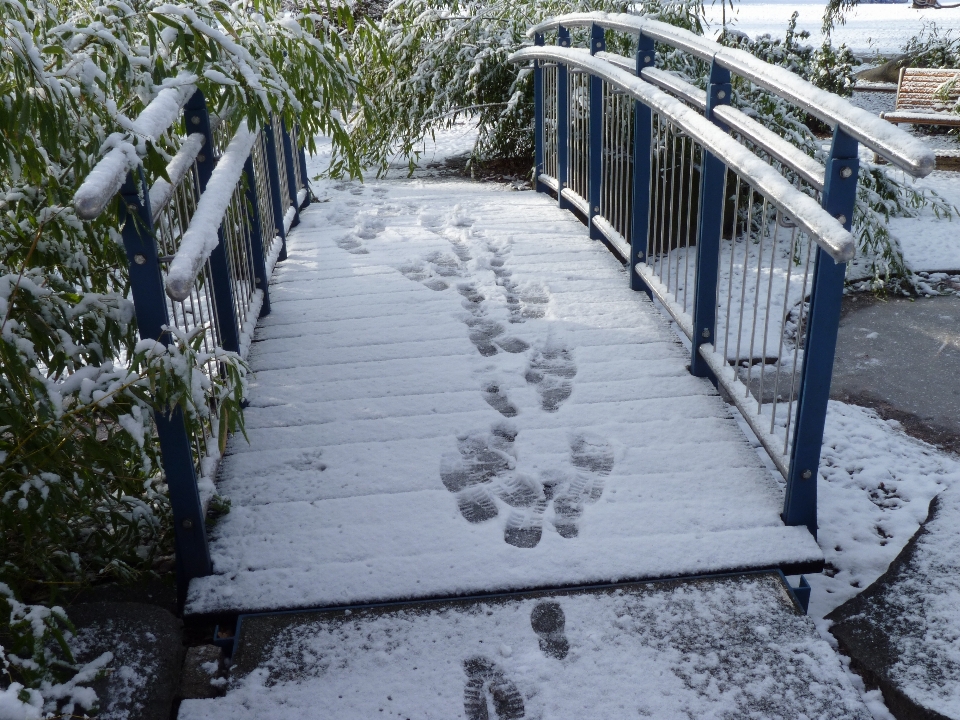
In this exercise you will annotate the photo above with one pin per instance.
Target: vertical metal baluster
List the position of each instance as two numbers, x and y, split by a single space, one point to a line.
743 277
733 249
783 322
756 294
690 225
766 317
801 333
662 183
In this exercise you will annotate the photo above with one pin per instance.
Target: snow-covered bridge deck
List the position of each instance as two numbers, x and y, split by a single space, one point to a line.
456 392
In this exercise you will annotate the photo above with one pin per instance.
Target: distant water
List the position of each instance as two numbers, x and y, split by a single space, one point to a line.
870 28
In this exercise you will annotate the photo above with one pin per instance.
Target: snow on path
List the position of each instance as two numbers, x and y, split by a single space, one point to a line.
456 392
717 648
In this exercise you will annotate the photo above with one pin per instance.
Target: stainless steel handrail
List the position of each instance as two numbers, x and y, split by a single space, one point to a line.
812 218
897 146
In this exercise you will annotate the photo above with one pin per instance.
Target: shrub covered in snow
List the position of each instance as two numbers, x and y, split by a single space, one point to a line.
82 496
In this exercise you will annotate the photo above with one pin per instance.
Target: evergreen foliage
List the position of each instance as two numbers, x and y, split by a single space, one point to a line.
82 495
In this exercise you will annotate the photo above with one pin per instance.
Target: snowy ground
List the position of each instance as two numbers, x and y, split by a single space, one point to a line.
869 28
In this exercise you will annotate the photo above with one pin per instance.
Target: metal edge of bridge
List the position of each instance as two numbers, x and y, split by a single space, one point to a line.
228 627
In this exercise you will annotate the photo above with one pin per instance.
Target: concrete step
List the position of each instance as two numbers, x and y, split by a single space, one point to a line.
723 646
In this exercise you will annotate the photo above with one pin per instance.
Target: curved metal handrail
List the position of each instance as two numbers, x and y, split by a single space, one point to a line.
826 231
108 175
804 165
897 146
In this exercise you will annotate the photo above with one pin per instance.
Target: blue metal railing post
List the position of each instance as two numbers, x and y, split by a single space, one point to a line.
563 122
260 277
642 147
150 304
197 119
291 173
597 44
302 155
712 175
538 119
823 322
273 172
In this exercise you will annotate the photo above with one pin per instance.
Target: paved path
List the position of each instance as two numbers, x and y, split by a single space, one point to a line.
457 393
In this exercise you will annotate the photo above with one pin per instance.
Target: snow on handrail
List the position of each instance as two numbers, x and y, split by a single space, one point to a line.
792 156
162 190
803 209
201 237
900 148
107 176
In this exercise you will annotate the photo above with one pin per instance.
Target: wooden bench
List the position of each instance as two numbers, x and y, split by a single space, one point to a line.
919 101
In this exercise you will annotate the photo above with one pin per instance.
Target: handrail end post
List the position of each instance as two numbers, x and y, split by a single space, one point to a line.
538 110
642 148
823 323
712 196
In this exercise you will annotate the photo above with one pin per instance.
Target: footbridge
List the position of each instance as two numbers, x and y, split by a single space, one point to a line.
463 403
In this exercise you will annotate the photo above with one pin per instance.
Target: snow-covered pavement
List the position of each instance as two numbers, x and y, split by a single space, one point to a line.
456 392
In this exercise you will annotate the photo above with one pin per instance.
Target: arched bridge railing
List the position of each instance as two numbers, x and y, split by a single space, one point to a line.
201 247
742 237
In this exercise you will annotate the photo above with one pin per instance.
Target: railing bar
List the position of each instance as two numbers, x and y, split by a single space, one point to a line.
673 195
783 323
766 317
796 348
733 249
691 223
662 182
677 192
743 276
756 294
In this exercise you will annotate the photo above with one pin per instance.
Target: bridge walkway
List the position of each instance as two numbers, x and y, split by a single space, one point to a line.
457 393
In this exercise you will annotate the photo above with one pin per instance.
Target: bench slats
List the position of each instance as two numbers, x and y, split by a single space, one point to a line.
917 97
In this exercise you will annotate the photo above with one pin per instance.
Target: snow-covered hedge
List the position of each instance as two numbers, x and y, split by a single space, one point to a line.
82 496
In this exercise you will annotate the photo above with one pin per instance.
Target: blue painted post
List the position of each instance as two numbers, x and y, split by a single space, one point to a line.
597 44
823 322
563 121
302 154
712 174
538 119
150 304
642 147
291 173
197 119
256 237
273 172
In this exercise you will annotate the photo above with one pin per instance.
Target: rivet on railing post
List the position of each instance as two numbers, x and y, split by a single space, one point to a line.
150 305
712 175
538 119
563 122
823 323
595 152
273 172
256 236
291 173
642 148
196 108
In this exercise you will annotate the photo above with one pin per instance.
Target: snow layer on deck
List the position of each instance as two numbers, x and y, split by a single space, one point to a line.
456 392
719 648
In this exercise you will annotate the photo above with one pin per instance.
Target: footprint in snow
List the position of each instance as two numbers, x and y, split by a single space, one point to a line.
489 689
497 399
548 622
551 369
593 456
480 458
487 335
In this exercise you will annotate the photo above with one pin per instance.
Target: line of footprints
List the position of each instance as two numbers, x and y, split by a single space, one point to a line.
484 466
488 688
